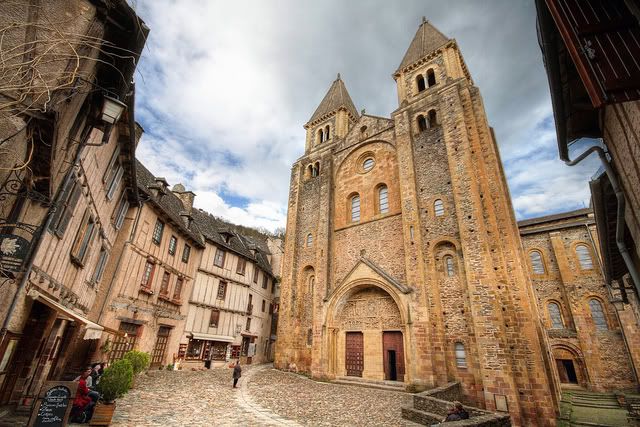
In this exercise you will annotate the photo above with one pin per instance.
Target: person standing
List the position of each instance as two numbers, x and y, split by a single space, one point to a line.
237 373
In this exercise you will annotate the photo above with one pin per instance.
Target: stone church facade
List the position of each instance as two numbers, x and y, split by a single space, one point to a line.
402 255
403 260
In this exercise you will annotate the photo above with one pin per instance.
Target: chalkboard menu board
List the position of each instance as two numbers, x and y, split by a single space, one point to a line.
54 404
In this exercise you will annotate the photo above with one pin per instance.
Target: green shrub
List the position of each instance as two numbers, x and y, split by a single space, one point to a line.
139 360
116 380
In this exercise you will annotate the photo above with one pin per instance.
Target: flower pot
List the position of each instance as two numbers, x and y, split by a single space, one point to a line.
102 414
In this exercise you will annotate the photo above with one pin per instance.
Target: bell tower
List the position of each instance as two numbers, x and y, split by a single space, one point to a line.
471 267
333 117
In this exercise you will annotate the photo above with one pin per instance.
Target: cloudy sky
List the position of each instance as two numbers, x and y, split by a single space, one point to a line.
225 87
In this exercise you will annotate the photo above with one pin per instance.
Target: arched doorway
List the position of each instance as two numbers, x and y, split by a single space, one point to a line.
367 334
570 366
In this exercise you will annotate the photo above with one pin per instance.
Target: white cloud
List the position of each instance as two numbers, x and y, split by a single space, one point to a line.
224 89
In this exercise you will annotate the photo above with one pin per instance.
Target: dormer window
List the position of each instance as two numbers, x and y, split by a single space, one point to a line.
226 236
420 83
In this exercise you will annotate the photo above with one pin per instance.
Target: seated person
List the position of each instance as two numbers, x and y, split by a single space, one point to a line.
83 403
90 382
457 413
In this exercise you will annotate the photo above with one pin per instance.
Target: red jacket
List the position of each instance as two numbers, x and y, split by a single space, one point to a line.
82 395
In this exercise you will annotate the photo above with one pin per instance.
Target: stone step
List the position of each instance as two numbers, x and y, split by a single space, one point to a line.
597 405
363 382
420 417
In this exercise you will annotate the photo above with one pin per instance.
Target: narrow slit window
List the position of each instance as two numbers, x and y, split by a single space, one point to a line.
597 314
433 119
555 316
309 240
537 265
431 78
461 355
420 83
383 197
449 267
422 123
584 257
438 207
355 208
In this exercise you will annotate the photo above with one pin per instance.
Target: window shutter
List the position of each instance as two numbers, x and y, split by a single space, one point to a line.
63 199
115 182
68 208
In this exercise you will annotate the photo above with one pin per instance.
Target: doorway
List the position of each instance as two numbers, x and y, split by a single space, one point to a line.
354 357
393 355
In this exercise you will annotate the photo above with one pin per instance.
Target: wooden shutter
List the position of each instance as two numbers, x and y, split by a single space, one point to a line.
603 39
67 208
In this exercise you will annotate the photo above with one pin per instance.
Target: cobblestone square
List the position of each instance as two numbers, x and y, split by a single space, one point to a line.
265 396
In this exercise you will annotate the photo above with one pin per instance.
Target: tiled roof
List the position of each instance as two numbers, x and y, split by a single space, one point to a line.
213 228
337 97
169 203
426 40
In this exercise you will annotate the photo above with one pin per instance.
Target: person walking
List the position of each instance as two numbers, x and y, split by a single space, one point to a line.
237 373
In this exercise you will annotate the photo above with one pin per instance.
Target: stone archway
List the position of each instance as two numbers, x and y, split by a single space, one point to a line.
367 334
570 366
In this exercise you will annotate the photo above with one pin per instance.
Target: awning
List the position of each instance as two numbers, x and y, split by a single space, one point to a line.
211 337
93 330
249 334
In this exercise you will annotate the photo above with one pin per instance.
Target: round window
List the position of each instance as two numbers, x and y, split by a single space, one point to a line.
368 164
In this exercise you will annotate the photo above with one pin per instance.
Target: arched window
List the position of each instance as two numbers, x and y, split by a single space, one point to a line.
555 316
461 355
355 208
316 169
383 199
431 78
537 265
433 120
420 83
449 266
327 134
312 283
597 314
438 207
422 123
309 240
584 257
320 136
311 173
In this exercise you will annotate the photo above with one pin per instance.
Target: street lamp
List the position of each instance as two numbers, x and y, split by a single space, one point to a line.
112 109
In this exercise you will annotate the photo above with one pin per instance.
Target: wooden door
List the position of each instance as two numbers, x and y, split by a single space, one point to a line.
354 358
393 355
161 346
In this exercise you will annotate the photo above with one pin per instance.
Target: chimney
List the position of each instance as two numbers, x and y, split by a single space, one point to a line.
186 197
160 187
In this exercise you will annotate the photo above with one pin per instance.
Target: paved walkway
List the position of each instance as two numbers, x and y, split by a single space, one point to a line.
265 397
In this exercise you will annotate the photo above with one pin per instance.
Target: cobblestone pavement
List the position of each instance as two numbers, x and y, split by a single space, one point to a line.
265 397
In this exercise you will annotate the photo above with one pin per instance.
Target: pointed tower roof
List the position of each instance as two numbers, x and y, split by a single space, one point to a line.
426 40
337 97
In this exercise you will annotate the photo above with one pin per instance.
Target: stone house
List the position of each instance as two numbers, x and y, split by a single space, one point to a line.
403 260
151 274
591 338
70 162
230 309
590 50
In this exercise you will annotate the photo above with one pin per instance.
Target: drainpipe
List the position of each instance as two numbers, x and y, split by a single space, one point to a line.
622 247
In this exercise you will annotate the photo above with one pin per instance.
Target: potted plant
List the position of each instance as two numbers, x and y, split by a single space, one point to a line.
139 360
114 383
